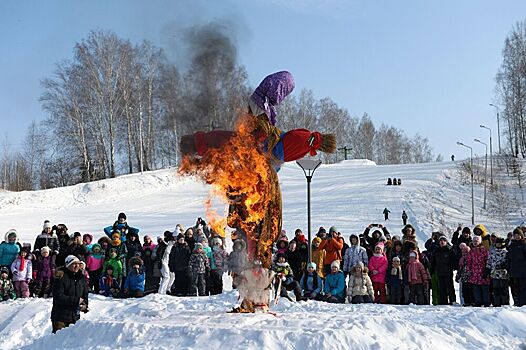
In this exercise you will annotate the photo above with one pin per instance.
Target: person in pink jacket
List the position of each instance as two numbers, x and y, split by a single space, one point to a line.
94 265
478 275
377 269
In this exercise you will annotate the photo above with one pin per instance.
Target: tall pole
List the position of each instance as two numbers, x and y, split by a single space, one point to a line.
309 178
472 195
485 171
490 149
498 127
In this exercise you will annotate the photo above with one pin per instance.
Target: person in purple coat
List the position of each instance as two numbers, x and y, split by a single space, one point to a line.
43 271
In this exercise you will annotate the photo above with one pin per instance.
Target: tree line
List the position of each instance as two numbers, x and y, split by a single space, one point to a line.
117 107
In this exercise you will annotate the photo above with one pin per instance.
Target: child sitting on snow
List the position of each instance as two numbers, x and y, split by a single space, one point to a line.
418 278
134 285
44 270
199 266
394 281
7 290
310 282
360 288
22 270
108 284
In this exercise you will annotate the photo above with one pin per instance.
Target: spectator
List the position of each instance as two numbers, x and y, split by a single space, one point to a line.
7 290
199 267
318 256
108 284
377 270
418 278
334 287
462 277
333 245
394 281
284 272
310 282
178 264
9 249
22 270
386 214
220 256
43 272
70 295
94 265
498 271
443 264
480 230
360 288
404 217
354 254
478 277
47 239
134 285
516 258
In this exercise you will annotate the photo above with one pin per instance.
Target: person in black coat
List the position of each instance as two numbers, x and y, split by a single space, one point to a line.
516 259
133 247
63 238
76 247
443 263
70 294
47 239
178 263
459 238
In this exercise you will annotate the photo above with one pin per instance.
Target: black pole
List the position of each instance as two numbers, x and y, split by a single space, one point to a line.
309 178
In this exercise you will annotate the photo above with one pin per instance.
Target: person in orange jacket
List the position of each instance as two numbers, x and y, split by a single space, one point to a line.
333 245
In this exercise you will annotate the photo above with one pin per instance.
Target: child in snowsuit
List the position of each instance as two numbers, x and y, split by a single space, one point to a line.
43 273
115 263
360 288
7 290
284 272
108 284
199 266
311 283
237 260
395 282
94 265
220 259
418 278
22 270
377 270
134 285
498 271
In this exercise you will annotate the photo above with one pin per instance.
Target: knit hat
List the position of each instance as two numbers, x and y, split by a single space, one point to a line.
4 270
198 246
396 259
312 265
381 245
47 224
466 230
333 229
443 238
96 246
518 231
316 240
45 249
217 240
281 255
321 230
71 259
121 216
412 254
335 263
464 247
477 240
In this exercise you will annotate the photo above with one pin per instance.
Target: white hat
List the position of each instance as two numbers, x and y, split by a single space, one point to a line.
45 249
47 224
71 259
335 263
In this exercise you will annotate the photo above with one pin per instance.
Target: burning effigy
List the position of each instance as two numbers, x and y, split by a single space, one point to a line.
241 165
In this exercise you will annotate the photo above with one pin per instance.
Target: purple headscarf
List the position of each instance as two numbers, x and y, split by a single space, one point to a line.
271 91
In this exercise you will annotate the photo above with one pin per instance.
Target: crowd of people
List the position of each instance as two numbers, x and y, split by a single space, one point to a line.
371 267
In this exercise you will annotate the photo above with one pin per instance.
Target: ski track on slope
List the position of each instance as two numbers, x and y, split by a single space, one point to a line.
349 195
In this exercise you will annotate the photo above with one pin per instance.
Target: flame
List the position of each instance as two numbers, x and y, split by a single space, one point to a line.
242 176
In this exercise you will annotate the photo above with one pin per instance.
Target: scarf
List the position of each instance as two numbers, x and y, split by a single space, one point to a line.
22 263
395 271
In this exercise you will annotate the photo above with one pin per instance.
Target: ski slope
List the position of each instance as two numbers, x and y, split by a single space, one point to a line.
349 195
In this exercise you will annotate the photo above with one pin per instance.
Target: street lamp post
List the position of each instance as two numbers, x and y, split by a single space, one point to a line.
498 125
472 197
308 166
485 170
490 152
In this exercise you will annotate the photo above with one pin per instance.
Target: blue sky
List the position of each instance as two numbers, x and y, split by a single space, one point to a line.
425 67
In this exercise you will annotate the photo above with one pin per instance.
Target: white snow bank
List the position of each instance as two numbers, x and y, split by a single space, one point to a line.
165 322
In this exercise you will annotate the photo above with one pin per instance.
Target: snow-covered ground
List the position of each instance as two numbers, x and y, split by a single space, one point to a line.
348 195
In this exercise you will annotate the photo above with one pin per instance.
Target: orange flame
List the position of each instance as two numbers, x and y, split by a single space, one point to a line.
239 173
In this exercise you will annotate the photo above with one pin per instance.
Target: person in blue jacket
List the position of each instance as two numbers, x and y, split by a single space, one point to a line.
9 249
334 288
134 285
122 226
311 282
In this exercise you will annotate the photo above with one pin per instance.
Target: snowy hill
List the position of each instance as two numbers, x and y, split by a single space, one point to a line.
349 195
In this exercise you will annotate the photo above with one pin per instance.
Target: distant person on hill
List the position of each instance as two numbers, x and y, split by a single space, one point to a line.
452 157
404 217
399 181
386 214
395 182
389 181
